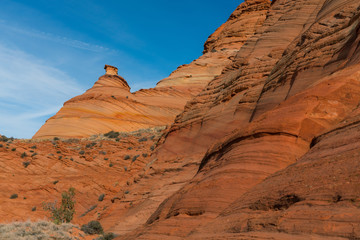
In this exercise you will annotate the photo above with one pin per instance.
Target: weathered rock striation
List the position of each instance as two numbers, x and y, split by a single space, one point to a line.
109 104
295 79
267 147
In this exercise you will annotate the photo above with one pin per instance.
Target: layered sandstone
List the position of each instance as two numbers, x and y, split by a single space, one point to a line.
274 99
109 104
267 150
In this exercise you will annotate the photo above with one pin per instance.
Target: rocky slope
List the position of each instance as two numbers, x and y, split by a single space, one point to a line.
109 104
268 149
39 171
271 103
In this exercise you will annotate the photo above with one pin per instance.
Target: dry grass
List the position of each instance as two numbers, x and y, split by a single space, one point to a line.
156 130
41 230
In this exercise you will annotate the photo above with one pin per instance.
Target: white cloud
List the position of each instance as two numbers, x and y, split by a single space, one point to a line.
53 37
30 91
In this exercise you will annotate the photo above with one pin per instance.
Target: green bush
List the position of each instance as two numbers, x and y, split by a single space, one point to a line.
23 155
93 227
13 149
13 196
65 212
112 134
101 197
26 164
144 139
126 157
134 158
106 236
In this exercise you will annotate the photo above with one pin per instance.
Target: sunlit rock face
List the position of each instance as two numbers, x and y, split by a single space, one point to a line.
109 104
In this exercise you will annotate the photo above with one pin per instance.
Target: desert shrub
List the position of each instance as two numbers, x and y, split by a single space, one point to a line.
71 159
33 209
33 147
144 154
34 154
106 236
144 139
130 148
1 145
60 157
134 158
127 192
36 230
110 164
82 152
152 137
13 149
106 159
152 148
55 182
26 164
23 155
125 168
13 196
112 134
92 227
117 139
126 157
58 151
65 212
6 139
101 197
102 152
56 139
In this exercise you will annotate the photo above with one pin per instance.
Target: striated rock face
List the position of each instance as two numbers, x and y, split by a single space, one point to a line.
267 149
296 78
38 171
221 47
109 104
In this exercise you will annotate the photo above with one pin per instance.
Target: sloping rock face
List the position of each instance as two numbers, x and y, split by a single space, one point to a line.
38 171
295 79
109 104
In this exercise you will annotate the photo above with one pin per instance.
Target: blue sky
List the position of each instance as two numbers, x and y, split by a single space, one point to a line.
51 51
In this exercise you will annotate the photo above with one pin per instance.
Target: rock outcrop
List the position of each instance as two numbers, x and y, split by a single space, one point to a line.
109 104
267 147
267 107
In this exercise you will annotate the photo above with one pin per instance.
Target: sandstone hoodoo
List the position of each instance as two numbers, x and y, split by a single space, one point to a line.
109 105
262 139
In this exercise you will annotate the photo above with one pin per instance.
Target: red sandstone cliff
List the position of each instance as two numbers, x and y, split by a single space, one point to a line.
267 149
109 104
293 80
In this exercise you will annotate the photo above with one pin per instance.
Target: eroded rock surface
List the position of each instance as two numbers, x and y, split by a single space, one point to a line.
109 104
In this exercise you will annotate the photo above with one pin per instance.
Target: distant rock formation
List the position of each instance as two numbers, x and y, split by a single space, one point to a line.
109 104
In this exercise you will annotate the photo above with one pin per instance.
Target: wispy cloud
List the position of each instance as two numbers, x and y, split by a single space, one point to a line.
52 37
30 91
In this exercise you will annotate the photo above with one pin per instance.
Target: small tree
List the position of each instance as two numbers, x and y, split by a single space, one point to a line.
65 212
